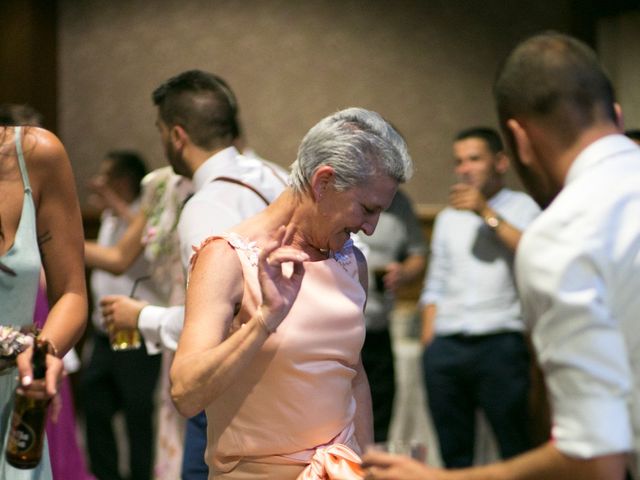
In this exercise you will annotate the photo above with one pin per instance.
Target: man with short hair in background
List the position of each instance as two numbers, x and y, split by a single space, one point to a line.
109 384
198 124
476 356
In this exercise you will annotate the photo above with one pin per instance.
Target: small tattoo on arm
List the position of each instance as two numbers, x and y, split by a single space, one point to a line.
44 238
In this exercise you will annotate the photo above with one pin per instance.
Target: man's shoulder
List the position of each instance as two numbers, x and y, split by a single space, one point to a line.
516 206
450 214
517 196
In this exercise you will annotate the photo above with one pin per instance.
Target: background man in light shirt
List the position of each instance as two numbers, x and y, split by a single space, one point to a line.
197 121
116 189
476 355
578 265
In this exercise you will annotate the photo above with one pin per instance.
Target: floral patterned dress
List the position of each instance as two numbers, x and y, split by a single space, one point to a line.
164 194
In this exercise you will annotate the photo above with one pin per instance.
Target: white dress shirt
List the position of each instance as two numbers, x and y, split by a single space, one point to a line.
215 207
470 276
578 270
112 227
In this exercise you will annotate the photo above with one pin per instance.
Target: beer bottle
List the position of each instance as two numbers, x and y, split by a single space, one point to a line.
26 436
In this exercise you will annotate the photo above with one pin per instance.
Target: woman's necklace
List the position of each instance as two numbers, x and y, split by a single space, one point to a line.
318 253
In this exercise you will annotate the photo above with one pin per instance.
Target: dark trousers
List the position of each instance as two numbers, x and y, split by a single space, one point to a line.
113 382
195 443
491 372
377 358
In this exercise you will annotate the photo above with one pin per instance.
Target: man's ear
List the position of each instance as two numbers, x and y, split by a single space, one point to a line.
502 163
321 180
619 117
523 147
178 136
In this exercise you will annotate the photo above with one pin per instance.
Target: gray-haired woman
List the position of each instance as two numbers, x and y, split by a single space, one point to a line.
274 315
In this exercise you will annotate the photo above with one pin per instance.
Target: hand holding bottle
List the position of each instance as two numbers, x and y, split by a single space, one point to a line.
30 385
37 386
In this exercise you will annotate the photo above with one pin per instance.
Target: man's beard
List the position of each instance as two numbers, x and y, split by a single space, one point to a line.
536 184
177 162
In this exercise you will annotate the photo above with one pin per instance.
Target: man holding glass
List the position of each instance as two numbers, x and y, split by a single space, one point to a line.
121 388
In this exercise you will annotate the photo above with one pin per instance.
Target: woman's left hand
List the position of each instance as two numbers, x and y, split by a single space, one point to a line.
279 290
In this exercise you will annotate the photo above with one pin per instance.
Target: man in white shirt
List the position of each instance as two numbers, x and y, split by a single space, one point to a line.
122 389
476 355
197 120
578 266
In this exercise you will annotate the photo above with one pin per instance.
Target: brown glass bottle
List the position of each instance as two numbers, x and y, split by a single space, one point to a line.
26 436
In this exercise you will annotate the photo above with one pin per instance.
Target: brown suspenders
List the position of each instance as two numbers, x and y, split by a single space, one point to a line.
250 187
241 183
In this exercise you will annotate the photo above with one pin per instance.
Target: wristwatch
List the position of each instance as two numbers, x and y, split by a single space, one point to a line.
493 221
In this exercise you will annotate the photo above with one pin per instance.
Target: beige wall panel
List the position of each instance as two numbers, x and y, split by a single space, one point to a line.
425 65
618 40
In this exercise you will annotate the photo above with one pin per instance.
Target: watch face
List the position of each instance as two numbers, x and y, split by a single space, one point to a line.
492 222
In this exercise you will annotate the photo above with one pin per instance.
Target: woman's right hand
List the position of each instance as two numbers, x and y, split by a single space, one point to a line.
279 288
42 389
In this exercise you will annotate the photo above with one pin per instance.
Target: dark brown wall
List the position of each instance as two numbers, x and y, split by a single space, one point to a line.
28 51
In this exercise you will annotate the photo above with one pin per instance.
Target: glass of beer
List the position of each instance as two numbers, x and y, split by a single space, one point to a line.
123 339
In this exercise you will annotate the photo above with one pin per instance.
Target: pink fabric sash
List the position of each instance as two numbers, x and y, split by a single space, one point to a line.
336 461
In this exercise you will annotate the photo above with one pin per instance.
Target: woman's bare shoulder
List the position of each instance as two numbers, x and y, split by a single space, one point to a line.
216 250
43 149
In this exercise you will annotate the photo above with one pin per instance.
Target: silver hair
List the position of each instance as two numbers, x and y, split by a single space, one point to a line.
358 144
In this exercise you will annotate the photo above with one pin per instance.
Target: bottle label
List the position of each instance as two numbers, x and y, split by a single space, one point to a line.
22 438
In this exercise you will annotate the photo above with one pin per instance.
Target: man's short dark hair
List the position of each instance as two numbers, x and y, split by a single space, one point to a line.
128 164
633 134
203 104
555 79
489 135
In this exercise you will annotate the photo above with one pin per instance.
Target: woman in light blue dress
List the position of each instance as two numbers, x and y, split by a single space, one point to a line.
40 224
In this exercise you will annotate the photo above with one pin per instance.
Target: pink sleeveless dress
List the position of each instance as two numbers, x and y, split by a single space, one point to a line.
296 396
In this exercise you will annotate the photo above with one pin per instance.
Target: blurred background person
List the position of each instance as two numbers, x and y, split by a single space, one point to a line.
119 381
476 356
396 257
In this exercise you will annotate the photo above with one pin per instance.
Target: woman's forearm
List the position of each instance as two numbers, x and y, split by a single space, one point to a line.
66 322
200 377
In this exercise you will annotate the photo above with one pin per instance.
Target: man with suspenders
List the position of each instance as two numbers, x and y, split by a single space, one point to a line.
197 120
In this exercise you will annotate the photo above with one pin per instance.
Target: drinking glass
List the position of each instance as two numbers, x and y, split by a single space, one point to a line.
410 448
123 339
